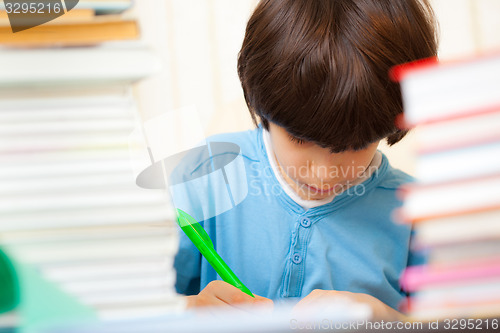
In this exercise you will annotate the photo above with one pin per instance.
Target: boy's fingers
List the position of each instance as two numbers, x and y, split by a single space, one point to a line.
264 304
228 293
307 300
238 299
261 299
222 294
202 301
312 298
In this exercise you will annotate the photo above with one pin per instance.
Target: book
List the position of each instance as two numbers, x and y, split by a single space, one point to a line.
473 311
454 205
100 7
463 132
468 162
457 229
72 33
465 252
75 271
86 243
426 201
434 91
105 7
132 247
74 15
426 276
104 65
478 299
457 295
78 234
96 216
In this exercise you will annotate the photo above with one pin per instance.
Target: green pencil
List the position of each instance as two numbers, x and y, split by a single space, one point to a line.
202 241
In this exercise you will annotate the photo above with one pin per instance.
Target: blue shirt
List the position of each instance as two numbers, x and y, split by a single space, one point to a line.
280 250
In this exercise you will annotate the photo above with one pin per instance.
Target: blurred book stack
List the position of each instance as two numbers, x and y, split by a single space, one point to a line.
455 205
84 22
84 241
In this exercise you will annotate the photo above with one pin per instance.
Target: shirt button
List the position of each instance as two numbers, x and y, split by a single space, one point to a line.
297 258
305 222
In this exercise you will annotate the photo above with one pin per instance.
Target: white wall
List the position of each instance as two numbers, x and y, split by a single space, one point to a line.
199 41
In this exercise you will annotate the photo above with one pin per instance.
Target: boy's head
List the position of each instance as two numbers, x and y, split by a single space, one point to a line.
319 68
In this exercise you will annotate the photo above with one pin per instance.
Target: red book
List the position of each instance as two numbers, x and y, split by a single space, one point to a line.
436 91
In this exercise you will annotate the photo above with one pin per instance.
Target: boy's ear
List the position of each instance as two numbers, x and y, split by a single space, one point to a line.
400 122
396 137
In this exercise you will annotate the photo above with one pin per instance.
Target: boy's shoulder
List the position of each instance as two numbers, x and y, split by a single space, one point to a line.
219 148
248 141
394 178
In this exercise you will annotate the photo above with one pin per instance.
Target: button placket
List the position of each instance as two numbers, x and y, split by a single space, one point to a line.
297 258
305 222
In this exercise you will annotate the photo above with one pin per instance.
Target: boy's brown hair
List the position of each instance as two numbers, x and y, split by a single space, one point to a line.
319 68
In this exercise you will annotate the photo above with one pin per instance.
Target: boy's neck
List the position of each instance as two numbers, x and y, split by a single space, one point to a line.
301 193
295 187
374 165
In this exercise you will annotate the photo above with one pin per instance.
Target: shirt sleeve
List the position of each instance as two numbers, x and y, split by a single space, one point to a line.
187 264
415 257
183 191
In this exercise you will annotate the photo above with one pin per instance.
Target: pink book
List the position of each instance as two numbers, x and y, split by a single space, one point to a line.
418 277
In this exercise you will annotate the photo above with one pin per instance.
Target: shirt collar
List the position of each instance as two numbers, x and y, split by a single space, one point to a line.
291 198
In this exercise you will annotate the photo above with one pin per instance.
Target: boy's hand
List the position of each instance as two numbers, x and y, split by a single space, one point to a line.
222 294
379 309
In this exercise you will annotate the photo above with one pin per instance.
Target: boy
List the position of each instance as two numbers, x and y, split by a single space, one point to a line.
316 222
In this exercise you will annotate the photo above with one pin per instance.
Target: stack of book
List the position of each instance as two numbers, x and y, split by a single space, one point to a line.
50 23
85 241
455 205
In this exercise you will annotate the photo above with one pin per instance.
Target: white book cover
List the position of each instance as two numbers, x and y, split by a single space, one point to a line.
449 90
92 250
462 228
109 63
461 197
78 234
64 168
119 298
145 213
124 284
457 164
482 250
482 310
65 127
458 133
54 184
62 142
80 200
106 269
68 102
54 157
